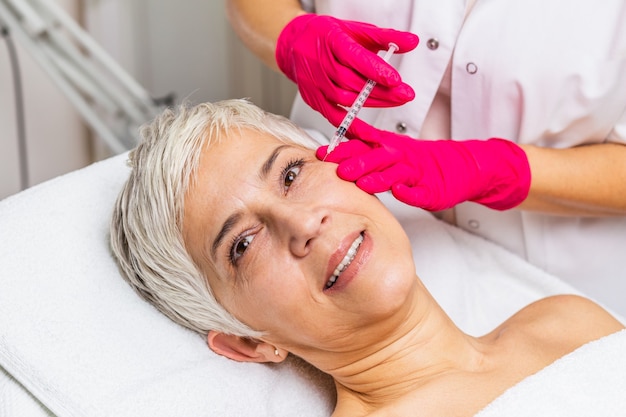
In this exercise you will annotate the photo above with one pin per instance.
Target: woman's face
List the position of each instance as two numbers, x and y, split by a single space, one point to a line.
270 226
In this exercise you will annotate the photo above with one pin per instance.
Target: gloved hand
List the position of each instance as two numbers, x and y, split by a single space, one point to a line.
331 60
436 175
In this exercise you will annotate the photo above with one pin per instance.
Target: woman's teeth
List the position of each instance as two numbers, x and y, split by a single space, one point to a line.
345 262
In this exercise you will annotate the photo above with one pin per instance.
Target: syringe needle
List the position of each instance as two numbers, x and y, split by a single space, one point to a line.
356 106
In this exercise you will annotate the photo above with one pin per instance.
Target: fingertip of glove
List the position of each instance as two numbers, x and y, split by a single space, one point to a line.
370 185
407 195
407 42
406 92
399 190
346 172
320 153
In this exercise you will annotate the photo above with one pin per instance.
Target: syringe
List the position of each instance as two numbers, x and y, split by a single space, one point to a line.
356 106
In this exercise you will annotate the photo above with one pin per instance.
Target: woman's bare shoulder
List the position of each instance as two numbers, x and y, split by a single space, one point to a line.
566 320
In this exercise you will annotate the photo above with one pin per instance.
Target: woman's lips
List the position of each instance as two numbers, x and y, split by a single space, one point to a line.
346 260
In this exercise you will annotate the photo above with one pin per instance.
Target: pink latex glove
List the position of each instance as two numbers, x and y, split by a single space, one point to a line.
436 175
331 60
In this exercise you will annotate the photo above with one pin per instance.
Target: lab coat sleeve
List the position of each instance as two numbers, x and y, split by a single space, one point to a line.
618 134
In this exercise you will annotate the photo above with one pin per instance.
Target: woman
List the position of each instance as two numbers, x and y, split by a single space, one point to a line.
547 76
232 227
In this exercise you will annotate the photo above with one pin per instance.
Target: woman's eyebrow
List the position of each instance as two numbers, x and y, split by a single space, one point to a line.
227 226
266 168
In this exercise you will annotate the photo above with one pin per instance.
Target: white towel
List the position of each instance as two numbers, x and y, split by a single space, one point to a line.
76 339
589 382
16 401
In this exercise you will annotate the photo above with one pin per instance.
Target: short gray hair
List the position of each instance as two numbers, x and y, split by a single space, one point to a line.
147 222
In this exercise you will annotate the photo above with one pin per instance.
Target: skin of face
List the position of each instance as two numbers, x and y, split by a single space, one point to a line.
289 228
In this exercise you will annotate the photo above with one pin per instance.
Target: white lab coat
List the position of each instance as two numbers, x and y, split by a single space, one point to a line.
544 72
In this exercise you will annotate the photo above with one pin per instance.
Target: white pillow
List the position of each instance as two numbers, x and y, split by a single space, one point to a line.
84 344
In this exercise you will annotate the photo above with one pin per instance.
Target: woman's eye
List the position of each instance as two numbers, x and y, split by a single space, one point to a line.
239 247
291 175
291 172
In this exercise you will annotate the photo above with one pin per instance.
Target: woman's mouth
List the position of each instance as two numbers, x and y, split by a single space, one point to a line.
345 262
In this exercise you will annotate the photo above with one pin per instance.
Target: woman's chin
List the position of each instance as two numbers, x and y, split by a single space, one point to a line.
393 295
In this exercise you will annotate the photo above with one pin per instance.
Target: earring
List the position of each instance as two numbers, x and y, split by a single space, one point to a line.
276 352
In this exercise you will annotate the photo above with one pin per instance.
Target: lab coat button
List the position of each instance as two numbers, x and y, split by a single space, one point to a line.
401 127
471 68
432 44
473 224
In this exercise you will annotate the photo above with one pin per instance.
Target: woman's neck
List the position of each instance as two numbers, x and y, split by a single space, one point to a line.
426 346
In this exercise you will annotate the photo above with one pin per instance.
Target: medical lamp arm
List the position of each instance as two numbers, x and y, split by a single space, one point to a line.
107 97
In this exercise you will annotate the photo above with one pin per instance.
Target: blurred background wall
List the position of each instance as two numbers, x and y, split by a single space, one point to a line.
182 47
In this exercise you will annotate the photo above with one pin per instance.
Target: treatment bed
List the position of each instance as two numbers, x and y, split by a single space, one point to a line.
76 341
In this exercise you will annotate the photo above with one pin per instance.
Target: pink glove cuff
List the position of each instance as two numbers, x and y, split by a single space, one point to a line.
509 182
283 46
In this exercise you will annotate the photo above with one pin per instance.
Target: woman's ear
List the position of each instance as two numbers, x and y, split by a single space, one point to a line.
244 349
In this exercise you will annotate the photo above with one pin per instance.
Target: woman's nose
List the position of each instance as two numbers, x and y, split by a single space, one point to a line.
300 225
